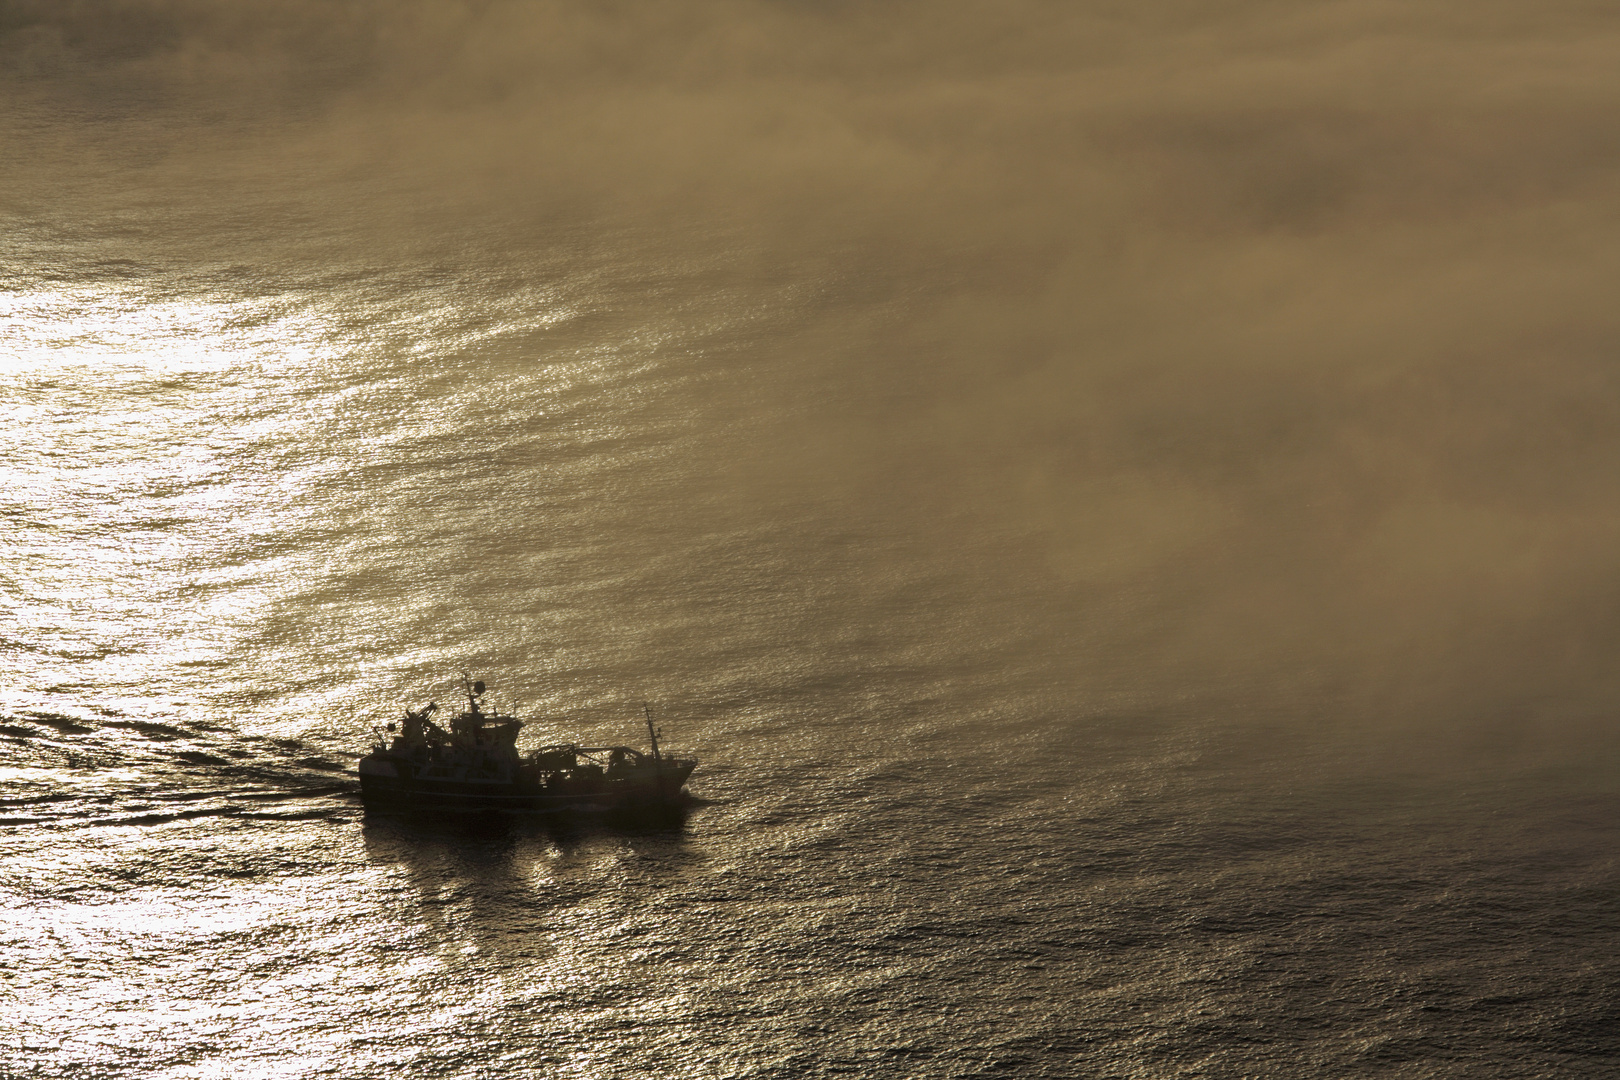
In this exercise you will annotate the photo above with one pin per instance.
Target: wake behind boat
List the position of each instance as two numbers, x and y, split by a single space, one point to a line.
476 765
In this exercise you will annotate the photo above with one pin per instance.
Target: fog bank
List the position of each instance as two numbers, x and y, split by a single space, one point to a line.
1261 350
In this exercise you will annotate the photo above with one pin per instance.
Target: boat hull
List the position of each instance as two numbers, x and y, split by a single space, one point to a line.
382 785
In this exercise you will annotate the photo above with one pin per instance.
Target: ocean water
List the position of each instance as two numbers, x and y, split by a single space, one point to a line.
1122 508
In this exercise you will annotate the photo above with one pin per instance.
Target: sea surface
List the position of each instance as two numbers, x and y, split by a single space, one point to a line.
1122 508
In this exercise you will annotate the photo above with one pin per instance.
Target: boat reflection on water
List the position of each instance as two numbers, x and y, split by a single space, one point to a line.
476 765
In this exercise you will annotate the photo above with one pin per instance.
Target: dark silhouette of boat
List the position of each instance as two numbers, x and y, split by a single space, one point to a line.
476 765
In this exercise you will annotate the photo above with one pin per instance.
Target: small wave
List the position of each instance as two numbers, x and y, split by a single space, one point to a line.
292 815
35 800
148 728
165 818
307 793
197 757
67 725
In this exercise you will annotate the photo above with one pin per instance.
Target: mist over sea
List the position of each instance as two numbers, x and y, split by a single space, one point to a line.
1123 501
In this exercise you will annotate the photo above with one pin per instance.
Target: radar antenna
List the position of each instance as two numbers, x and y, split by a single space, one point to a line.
475 690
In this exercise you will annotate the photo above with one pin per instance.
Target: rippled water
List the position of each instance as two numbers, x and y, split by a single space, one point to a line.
243 526
1106 656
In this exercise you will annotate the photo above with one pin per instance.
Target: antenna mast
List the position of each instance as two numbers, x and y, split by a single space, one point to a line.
658 762
653 735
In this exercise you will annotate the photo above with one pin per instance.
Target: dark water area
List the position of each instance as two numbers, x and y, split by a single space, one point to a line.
1122 505
1049 900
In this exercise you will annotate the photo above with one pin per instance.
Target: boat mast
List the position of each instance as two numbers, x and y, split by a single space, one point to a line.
651 734
475 690
658 762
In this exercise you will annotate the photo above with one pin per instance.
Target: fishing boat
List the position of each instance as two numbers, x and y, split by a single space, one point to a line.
475 764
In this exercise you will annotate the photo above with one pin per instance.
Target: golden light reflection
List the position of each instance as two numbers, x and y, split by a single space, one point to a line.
164 446
123 331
